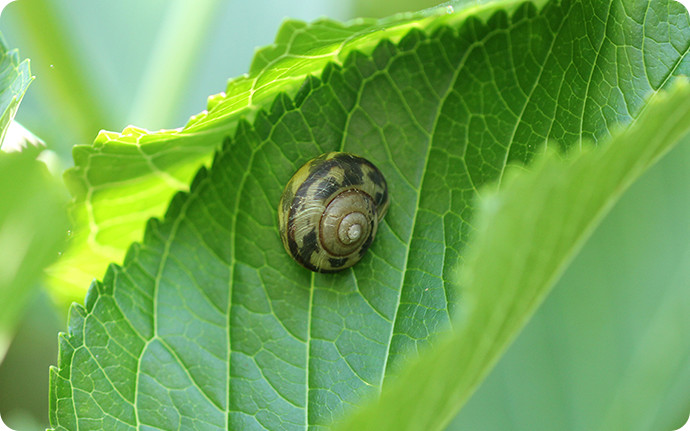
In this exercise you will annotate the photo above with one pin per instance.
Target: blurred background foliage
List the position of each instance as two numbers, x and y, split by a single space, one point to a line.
105 65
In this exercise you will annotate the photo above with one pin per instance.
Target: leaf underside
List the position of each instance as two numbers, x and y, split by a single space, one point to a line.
208 324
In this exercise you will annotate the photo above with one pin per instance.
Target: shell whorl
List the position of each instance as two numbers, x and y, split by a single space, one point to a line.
330 210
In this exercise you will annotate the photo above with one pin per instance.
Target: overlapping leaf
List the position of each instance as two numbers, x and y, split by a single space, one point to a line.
210 325
607 349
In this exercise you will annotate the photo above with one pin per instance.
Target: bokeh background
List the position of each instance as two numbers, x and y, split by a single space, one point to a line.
105 65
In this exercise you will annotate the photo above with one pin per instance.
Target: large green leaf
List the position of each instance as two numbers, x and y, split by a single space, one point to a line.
125 178
608 349
209 324
14 80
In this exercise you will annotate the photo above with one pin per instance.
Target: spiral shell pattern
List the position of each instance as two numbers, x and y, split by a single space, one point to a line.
330 210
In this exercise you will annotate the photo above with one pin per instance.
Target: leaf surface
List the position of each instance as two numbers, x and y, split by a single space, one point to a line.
208 324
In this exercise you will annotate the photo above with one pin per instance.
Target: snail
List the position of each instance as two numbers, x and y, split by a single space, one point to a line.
330 210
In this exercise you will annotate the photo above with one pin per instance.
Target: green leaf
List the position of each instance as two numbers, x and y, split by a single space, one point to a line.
608 348
15 78
123 179
33 229
209 324
526 236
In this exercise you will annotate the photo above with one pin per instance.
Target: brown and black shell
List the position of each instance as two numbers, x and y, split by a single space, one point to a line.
318 197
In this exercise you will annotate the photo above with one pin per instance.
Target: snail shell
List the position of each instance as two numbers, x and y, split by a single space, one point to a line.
330 210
